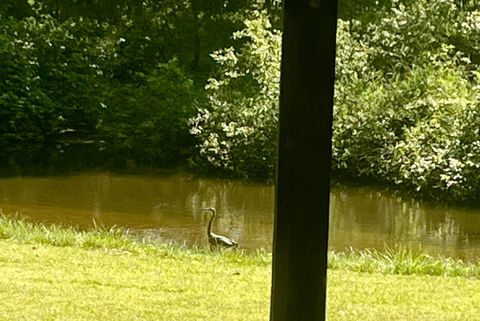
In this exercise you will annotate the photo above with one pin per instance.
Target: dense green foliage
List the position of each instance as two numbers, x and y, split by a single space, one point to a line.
111 86
145 121
405 101
237 129
64 85
132 84
407 115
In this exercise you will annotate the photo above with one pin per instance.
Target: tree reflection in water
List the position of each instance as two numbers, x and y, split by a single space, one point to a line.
167 208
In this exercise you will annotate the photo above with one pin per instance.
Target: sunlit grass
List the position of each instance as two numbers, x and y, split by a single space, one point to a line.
403 261
16 228
68 283
354 296
19 229
59 273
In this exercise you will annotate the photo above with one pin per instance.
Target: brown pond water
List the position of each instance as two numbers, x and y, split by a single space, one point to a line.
168 208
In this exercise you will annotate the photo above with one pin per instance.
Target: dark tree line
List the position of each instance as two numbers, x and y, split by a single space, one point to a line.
132 84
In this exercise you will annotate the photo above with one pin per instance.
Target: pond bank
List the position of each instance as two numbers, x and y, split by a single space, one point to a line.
390 261
53 273
166 207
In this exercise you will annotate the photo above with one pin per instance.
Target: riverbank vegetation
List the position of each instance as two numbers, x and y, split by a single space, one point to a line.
143 84
52 272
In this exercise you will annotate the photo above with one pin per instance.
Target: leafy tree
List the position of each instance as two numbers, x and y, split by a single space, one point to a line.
405 102
237 128
146 122
402 102
53 83
26 112
15 8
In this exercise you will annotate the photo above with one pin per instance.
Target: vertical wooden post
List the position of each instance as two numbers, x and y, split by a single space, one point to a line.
303 180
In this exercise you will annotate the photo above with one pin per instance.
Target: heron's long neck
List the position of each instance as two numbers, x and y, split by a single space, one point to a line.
209 229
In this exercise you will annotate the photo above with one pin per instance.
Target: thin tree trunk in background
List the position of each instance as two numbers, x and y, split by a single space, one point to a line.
303 172
196 35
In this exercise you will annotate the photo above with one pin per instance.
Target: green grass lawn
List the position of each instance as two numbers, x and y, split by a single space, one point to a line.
53 273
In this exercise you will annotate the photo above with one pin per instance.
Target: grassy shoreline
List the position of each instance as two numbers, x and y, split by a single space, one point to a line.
59 273
391 261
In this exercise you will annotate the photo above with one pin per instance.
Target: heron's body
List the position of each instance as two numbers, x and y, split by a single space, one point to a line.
215 239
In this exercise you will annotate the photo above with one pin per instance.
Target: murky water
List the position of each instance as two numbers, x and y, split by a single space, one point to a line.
168 208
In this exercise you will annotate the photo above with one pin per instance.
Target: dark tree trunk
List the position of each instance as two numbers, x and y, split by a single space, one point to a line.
196 36
303 172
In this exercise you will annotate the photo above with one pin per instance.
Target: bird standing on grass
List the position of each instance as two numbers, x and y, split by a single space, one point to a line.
215 239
